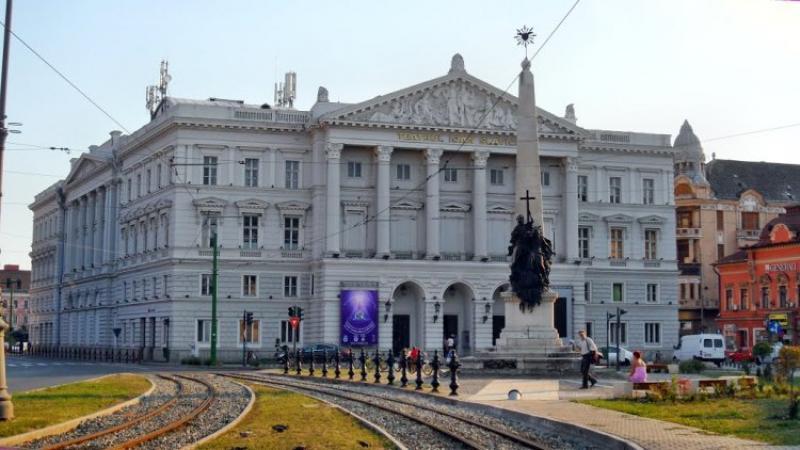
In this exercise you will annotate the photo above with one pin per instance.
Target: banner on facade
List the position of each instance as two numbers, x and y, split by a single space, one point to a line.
781 318
359 317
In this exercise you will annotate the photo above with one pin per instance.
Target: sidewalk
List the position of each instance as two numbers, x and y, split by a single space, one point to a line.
648 433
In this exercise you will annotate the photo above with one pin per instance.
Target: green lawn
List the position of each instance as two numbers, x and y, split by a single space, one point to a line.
760 419
305 418
42 408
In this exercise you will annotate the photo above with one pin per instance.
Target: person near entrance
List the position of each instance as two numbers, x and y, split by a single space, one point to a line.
450 345
588 350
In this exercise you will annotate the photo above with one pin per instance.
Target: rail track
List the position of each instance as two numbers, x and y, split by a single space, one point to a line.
456 430
119 436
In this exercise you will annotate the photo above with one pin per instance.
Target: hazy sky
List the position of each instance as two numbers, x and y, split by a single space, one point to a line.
728 66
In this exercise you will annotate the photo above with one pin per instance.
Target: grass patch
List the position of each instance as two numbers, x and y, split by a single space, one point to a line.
759 419
42 408
311 424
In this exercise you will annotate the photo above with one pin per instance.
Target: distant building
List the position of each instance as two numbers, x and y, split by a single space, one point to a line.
720 207
760 284
15 284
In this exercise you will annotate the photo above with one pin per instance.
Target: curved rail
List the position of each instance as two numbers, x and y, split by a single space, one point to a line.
521 440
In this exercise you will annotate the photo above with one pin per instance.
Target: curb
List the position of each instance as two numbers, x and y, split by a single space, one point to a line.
64 427
230 424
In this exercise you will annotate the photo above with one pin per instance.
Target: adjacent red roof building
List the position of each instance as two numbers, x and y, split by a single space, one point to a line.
761 284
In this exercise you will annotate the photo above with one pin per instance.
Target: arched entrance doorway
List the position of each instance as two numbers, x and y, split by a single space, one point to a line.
457 319
408 323
498 312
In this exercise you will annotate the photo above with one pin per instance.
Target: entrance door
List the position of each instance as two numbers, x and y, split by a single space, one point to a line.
450 328
560 319
401 332
498 323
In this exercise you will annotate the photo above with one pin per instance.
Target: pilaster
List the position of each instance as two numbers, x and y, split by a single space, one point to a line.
570 199
432 155
383 156
479 159
333 153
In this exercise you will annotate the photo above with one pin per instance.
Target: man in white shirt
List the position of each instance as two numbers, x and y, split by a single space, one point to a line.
587 348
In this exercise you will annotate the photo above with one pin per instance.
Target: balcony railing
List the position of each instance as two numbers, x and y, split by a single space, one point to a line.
748 234
688 233
618 262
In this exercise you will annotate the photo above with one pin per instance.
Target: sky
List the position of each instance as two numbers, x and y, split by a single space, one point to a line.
728 66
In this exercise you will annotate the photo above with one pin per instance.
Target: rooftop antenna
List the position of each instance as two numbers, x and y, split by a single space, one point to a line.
155 94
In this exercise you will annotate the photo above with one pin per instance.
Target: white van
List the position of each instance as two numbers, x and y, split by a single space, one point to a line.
705 347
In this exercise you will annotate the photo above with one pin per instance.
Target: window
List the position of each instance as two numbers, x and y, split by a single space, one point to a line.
618 292
650 244
652 293
312 284
155 286
765 297
583 242
251 334
249 286
149 179
291 233
583 188
587 292
652 333
403 172
450 175
205 284
588 329
496 177
353 169
720 222
623 333
720 251
251 172
288 333
290 286
617 243
784 301
210 170
729 299
545 178
166 285
203 331
155 232
125 291
210 227
648 191
158 176
250 231
130 192
614 189
138 185
750 221
292 174
743 299
126 241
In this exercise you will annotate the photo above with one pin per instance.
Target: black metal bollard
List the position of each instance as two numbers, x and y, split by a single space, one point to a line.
311 364
286 362
390 363
404 369
337 369
436 364
298 363
377 361
419 372
350 372
363 358
454 365
324 363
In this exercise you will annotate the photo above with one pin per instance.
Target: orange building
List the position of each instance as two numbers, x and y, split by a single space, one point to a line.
761 284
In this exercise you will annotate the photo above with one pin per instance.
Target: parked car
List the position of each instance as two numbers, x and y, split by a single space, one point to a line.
703 347
610 354
738 356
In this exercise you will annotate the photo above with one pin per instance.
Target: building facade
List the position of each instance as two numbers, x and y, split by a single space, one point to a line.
15 287
410 194
720 206
760 284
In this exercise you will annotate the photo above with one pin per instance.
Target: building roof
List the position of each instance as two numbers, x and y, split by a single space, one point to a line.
775 181
792 221
739 256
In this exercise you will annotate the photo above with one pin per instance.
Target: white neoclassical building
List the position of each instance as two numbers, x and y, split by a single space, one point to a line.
410 194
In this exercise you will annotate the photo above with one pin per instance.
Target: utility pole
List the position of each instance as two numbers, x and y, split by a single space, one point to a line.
214 299
244 338
6 407
609 316
620 313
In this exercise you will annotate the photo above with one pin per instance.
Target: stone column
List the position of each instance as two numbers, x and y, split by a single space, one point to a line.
479 221
333 224
571 207
99 213
66 235
82 231
384 156
432 203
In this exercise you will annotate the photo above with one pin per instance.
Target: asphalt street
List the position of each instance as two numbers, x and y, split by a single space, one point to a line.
24 372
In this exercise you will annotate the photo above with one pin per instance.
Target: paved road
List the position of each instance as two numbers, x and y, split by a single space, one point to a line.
25 372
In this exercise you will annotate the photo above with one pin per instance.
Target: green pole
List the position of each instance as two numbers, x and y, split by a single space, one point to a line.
214 301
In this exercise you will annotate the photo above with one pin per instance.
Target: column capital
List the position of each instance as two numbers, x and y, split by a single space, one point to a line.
433 155
479 158
333 150
384 153
570 164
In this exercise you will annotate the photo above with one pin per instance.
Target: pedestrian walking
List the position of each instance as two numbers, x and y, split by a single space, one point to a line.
588 350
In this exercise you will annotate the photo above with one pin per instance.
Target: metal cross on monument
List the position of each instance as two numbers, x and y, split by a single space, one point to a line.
528 199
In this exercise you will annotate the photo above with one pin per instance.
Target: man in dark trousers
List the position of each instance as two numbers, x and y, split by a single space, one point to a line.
587 348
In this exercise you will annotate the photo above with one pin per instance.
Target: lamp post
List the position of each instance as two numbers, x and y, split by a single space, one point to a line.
609 316
620 313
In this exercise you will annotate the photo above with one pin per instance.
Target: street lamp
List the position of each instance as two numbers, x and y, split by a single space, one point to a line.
609 316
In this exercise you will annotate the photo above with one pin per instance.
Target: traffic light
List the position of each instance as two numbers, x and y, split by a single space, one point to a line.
248 317
300 312
291 311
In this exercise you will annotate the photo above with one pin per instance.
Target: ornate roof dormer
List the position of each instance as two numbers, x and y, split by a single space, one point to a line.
689 157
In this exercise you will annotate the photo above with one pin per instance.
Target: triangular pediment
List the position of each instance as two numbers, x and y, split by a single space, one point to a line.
252 204
85 166
209 202
407 205
454 207
588 217
618 218
293 205
499 209
457 102
652 220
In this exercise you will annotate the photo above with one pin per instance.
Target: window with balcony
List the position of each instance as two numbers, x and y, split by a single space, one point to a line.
750 221
650 244
583 188
583 242
250 231
251 172
291 233
614 190
685 219
210 228
292 174
648 191
210 170
617 250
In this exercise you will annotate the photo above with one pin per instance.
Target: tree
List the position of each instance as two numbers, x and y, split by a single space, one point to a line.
761 351
788 362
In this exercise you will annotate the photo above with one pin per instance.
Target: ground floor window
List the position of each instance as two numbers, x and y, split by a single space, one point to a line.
203 331
588 329
287 333
652 333
623 335
250 334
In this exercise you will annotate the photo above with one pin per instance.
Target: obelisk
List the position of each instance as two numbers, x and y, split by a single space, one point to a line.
528 331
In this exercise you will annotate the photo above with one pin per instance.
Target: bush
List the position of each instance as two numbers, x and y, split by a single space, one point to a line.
746 367
692 366
762 350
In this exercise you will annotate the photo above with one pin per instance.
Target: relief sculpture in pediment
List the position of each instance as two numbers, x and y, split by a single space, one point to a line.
458 105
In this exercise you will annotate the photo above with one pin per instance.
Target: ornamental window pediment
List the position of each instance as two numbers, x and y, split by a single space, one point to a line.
355 204
251 206
618 219
455 207
210 204
652 220
163 204
765 279
499 209
407 205
293 207
588 217
781 233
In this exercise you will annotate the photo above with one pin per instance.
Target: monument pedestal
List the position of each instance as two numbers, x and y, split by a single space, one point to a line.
529 332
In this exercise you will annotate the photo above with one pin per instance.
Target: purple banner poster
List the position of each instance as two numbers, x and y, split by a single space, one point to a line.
359 315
